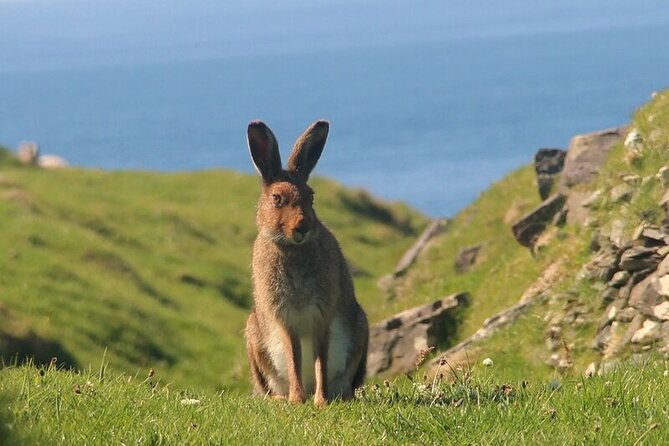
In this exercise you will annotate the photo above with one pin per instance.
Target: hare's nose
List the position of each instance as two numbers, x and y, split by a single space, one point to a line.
302 228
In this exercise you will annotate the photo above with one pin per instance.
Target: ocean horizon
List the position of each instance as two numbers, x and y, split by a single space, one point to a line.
421 114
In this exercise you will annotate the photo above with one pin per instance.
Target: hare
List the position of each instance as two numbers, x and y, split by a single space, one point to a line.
306 333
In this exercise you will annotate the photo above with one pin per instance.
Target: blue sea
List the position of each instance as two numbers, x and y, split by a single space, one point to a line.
429 102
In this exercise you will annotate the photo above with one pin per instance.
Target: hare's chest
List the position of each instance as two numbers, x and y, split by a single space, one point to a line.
301 290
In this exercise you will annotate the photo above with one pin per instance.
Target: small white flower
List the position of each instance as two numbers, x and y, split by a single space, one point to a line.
420 387
666 373
189 402
487 362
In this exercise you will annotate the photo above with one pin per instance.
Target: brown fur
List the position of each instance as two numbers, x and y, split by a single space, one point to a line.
303 291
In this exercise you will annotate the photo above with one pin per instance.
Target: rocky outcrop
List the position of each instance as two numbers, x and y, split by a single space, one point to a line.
633 283
28 153
466 258
548 163
396 342
587 154
529 227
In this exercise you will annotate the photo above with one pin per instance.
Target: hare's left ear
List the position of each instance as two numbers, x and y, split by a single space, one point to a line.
264 151
308 149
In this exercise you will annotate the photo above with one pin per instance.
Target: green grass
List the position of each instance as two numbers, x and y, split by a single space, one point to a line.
48 406
155 268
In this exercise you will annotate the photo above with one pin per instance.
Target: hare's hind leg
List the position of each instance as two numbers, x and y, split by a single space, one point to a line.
362 328
256 357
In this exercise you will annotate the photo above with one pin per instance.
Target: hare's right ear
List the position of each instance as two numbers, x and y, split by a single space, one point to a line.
264 151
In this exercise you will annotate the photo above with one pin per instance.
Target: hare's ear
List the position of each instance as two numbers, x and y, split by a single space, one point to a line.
264 151
308 148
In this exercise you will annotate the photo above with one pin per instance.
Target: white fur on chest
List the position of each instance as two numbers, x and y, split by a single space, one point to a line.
338 353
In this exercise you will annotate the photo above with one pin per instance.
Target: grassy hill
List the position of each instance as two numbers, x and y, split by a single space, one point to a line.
152 270
155 267
505 269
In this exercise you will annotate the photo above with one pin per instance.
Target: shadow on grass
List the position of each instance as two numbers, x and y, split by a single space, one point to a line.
32 348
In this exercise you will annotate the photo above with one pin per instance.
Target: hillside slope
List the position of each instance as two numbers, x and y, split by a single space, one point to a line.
153 270
569 304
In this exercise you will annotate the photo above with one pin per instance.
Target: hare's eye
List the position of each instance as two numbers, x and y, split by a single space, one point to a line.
277 199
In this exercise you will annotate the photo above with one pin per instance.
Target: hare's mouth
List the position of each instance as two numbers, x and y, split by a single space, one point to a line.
299 237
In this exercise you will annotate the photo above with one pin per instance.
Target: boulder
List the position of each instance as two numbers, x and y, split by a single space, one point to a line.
587 154
28 152
466 258
638 258
395 343
621 192
619 279
645 296
52 162
648 333
529 227
633 141
578 206
548 163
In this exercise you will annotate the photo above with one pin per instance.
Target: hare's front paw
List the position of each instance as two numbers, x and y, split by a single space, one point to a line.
320 401
296 397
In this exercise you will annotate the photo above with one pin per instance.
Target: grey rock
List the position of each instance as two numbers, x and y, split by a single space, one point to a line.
661 311
661 285
663 175
663 267
634 180
529 227
608 295
52 162
617 235
602 339
619 279
610 314
587 154
394 343
591 370
621 192
638 258
547 164
466 258
28 152
592 199
554 338
664 332
633 141
577 211
625 315
652 234
603 265
648 333
662 251
644 295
